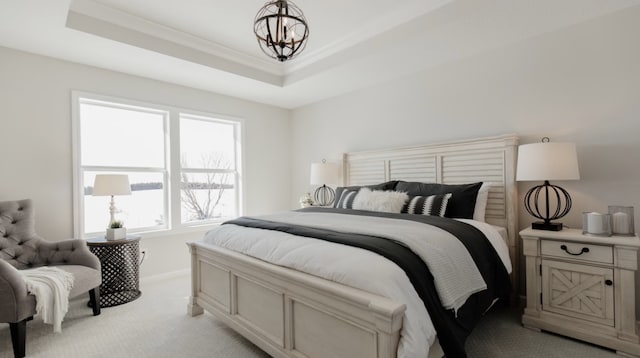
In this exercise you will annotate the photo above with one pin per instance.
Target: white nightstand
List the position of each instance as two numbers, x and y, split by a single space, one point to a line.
582 286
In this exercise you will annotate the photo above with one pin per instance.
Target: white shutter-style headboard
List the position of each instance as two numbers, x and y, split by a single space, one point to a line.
491 159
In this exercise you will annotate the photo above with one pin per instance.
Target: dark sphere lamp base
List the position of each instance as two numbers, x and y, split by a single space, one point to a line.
541 225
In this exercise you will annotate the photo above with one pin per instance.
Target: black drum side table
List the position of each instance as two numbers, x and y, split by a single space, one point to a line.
120 269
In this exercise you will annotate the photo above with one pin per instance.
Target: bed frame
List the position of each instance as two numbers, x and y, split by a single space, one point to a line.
288 313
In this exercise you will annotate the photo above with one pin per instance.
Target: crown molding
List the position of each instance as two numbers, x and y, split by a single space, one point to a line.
367 31
98 19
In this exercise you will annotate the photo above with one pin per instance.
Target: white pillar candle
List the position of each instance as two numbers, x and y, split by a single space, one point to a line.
594 223
620 223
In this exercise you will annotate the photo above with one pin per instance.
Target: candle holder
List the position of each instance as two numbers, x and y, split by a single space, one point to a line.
622 220
596 224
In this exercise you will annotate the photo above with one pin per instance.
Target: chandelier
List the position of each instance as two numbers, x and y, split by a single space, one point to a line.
281 30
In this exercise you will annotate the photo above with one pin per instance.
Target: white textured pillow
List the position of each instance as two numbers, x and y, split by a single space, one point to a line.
481 202
378 200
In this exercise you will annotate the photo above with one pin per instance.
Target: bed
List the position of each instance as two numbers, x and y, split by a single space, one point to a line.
291 313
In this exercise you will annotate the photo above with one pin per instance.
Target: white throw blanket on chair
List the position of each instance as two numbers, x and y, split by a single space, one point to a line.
51 287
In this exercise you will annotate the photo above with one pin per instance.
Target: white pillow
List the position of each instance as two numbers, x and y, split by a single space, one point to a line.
378 200
481 202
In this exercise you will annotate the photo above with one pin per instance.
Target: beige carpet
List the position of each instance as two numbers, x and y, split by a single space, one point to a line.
156 325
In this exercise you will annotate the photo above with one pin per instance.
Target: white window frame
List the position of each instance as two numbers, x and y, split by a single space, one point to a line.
237 134
171 172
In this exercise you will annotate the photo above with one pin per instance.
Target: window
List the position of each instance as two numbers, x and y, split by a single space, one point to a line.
208 168
183 166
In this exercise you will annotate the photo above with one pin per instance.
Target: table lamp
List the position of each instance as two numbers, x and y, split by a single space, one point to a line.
322 174
111 185
543 162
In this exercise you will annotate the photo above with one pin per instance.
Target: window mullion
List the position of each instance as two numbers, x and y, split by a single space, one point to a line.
174 169
78 182
197 170
238 163
122 169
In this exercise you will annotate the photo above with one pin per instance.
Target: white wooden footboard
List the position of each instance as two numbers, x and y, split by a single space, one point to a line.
289 313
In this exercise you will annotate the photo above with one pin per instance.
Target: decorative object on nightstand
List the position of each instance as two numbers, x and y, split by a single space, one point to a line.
120 261
622 220
111 185
596 224
306 200
116 230
583 287
547 161
322 174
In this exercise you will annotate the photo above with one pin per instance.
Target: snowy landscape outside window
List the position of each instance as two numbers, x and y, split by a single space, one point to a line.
183 167
208 160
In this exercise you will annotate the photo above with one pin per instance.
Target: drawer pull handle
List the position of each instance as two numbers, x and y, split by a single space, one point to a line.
583 251
608 282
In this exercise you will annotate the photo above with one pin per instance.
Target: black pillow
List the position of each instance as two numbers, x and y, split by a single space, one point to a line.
463 196
388 185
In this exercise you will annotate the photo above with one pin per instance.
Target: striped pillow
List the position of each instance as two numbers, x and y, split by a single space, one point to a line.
435 205
345 201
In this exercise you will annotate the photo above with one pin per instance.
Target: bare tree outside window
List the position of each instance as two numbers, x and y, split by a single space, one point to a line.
202 192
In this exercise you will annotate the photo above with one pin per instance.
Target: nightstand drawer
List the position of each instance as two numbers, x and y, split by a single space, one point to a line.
577 251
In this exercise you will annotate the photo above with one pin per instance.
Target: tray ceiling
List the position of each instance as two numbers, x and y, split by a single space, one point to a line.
209 44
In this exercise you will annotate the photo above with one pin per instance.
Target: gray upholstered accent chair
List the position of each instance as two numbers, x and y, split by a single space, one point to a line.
21 248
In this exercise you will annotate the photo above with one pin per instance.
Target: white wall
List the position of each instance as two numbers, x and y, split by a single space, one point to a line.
580 84
35 142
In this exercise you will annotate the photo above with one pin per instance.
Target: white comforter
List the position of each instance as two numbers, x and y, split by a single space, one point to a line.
455 275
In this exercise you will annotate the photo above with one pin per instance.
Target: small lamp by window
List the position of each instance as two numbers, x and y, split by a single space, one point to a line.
543 162
322 174
110 185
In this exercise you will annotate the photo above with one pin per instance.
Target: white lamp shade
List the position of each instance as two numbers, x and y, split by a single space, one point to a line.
111 184
325 173
547 161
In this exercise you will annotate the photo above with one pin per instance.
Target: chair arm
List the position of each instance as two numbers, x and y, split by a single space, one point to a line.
67 252
12 289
